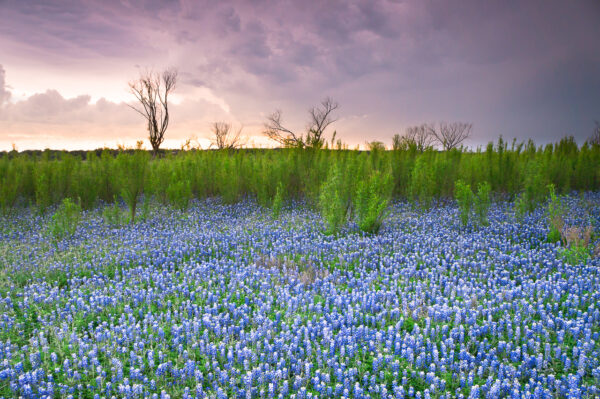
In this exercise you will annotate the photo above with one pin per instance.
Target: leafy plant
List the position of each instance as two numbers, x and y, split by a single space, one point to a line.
9 190
465 198
179 193
334 201
576 254
65 220
113 215
555 211
132 170
482 202
371 201
278 200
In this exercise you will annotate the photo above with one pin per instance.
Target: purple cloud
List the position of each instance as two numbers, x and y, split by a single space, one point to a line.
521 69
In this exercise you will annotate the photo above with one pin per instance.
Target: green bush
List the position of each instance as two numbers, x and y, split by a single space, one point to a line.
482 202
575 255
179 193
422 186
113 215
465 198
534 189
371 201
334 201
9 187
555 211
65 220
278 200
132 169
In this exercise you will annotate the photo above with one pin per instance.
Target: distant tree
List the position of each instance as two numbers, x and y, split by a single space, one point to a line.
320 119
451 135
152 91
419 137
375 146
595 138
224 138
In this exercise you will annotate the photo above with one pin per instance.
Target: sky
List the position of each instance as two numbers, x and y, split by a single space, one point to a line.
520 69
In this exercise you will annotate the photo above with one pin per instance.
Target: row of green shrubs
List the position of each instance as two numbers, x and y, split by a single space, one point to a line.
348 183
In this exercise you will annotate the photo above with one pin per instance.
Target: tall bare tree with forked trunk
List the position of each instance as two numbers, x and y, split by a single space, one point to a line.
152 92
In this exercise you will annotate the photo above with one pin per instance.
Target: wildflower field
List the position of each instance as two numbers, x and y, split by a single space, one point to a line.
229 301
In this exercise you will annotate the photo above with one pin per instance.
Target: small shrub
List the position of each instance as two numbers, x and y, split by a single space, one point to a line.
371 201
65 220
422 186
9 189
575 255
333 201
278 200
43 187
465 198
132 170
179 193
534 189
555 211
482 202
113 215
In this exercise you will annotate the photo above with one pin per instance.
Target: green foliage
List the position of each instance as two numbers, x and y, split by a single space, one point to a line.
422 185
179 193
334 200
9 186
113 215
555 211
533 192
482 202
465 198
132 175
65 220
278 200
520 170
575 254
43 186
371 201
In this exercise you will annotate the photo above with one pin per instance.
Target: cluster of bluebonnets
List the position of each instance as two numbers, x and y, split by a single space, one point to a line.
225 301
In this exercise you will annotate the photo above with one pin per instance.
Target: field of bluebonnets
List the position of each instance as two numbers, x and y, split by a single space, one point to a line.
375 282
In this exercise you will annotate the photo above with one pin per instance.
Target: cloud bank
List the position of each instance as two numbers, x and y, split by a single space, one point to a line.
524 69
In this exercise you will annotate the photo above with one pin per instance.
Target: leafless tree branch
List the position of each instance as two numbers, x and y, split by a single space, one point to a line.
225 138
320 119
451 135
274 129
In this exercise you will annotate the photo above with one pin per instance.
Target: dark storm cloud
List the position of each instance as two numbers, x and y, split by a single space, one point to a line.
518 68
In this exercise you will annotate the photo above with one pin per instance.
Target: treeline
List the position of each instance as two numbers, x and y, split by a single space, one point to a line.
43 180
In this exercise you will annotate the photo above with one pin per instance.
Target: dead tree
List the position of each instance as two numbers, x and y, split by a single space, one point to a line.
274 130
451 135
320 119
152 91
225 138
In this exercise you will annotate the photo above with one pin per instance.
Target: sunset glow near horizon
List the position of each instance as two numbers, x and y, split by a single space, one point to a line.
521 70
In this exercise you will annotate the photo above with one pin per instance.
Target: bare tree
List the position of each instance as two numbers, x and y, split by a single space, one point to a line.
320 119
225 138
419 137
451 135
274 130
152 91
